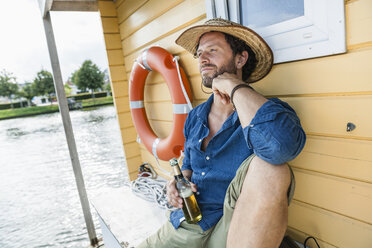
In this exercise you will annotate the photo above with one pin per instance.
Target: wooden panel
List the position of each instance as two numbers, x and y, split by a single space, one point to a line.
148 12
112 41
125 120
343 148
110 24
167 43
172 20
359 22
165 170
159 111
161 128
132 150
129 135
118 3
340 157
343 196
341 73
117 73
115 57
301 236
122 104
336 229
157 92
128 8
134 163
329 115
107 8
120 88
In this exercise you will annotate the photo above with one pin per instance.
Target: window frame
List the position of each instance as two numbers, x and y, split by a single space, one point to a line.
319 32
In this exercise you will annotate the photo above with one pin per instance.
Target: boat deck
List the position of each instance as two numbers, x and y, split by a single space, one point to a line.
126 220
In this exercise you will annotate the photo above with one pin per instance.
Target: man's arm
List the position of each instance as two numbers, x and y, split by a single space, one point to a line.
271 127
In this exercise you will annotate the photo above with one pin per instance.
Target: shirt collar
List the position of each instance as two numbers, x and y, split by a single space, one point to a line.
205 108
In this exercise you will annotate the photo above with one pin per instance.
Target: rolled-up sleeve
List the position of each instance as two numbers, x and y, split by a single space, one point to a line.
275 133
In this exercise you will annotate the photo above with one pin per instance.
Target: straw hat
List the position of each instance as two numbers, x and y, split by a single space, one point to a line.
189 40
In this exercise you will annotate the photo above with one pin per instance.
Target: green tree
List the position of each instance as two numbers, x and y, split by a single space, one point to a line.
89 76
8 85
44 84
68 89
28 92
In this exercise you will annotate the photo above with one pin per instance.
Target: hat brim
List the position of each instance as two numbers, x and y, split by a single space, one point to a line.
189 40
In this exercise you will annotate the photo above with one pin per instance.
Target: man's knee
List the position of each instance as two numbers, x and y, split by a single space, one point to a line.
267 182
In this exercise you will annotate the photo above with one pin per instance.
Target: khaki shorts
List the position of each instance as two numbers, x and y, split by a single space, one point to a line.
191 235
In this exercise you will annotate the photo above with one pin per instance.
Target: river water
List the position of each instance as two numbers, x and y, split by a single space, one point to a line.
39 202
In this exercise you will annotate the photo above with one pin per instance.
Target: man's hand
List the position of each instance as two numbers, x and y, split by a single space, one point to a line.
172 194
223 85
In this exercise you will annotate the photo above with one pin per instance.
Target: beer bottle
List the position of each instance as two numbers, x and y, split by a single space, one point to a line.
190 207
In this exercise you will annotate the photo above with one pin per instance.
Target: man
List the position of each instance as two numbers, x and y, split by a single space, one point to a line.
236 149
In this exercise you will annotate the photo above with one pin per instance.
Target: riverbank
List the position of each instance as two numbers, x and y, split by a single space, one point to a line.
38 110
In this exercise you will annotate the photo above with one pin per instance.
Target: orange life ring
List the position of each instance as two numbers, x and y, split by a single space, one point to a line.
160 60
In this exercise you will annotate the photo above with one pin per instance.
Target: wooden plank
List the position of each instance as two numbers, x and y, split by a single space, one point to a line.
122 104
301 236
117 73
129 135
125 120
145 14
330 115
359 22
342 148
359 170
157 92
118 3
172 20
159 111
165 170
341 73
133 164
120 88
128 7
343 196
112 41
161 128
115 57
334 229
167 43
132 150
107 8
110 24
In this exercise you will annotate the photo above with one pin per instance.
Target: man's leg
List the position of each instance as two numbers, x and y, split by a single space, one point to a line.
245 227
261 213
187 235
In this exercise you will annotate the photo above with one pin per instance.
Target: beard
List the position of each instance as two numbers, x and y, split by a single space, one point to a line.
229 68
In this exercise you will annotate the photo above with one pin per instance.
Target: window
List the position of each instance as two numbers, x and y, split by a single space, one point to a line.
294 29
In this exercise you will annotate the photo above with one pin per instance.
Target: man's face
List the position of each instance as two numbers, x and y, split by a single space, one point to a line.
215 57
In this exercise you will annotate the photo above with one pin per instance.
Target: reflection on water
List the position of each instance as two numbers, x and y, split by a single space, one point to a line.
39 203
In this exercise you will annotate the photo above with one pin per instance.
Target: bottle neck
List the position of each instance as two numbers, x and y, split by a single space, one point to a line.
177 171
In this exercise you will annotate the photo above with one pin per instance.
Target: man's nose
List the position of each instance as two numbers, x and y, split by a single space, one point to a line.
203 58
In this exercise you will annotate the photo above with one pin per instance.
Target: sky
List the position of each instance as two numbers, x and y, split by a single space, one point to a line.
23 47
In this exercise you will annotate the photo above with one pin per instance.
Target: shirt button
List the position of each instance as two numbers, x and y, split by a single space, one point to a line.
200 140
203 173
207 157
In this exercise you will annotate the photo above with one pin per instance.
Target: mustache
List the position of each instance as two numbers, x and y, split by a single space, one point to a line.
208 65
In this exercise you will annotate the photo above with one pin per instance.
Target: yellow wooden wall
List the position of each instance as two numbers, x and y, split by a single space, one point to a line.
333 199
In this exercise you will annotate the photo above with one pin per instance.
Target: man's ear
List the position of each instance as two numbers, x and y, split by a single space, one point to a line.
241 59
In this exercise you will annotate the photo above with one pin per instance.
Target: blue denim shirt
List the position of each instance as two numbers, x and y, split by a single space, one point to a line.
274 134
